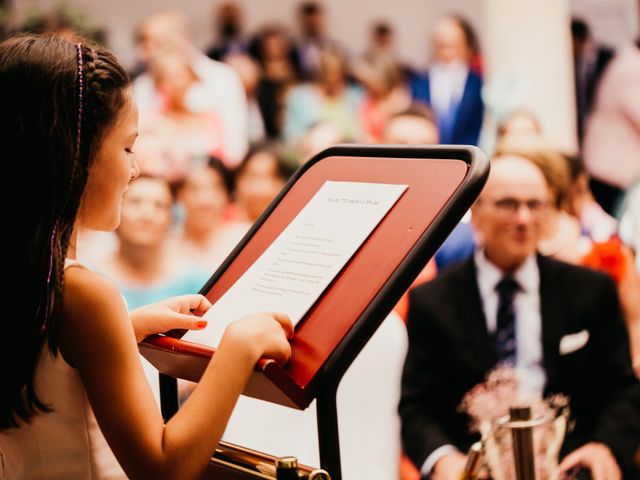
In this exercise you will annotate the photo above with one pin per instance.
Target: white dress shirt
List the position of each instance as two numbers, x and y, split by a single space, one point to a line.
531 374
446 85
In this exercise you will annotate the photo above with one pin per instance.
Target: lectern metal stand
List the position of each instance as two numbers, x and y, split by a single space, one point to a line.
442 181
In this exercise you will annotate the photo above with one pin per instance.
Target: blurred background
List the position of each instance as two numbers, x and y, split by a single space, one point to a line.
235 95
524 45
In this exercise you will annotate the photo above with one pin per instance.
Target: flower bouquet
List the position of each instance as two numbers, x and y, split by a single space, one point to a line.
489 403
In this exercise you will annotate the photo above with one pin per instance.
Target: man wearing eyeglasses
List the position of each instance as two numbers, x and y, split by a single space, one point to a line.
559 325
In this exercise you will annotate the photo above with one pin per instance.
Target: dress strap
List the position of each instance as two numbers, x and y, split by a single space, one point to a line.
71 262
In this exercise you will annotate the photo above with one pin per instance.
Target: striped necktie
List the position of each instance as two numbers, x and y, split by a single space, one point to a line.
506 321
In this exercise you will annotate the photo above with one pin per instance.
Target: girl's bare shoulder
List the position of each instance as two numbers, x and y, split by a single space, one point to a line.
92 307
85 288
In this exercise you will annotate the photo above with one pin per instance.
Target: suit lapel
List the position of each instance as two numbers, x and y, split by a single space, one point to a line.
427 89
462 106
552 315
482 353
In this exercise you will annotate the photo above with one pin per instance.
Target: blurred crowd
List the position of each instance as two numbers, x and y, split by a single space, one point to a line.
222 130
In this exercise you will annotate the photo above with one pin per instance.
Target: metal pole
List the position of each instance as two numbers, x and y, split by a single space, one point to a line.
328 437
522 439
168 396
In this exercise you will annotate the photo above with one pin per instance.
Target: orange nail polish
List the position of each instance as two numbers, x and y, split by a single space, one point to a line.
202 323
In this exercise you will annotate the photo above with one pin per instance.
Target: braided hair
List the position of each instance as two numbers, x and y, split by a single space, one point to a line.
59 97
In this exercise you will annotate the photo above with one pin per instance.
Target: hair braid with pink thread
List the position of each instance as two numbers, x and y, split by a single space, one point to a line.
80 76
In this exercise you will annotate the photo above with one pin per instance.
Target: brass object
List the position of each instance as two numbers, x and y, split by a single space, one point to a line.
513 435
474 462
319 475
521 427
287 462
287 468
256 465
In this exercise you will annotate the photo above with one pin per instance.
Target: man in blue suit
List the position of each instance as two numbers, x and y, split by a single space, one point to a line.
450 86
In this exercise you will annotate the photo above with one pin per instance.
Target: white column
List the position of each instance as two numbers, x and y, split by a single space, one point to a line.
527 50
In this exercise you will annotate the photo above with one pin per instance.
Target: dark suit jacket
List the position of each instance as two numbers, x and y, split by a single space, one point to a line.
470 115
450 351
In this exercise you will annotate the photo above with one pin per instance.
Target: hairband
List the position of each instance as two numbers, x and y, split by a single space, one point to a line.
75 162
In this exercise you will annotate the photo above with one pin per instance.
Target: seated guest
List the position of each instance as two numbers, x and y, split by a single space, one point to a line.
186 135
330 98
317 138
249 72
508 305
579 231
259 179
141 265
206 237
218 89
413 126
385 94
520 122
594 221
574 219
275 53
521 132
561 235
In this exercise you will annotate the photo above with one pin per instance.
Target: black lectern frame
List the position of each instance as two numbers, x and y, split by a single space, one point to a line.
324 383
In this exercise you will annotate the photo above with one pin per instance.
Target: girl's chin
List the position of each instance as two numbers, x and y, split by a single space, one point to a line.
109 226
99 226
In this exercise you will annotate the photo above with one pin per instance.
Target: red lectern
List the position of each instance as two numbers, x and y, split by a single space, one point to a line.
443 182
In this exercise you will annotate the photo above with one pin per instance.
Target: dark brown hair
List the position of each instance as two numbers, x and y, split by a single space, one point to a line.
417 110
551 163
469 33
219 168
283 170
39 94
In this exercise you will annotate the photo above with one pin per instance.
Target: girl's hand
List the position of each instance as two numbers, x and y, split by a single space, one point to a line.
260 335
181 312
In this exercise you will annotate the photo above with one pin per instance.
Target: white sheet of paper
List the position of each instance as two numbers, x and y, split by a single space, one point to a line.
297 267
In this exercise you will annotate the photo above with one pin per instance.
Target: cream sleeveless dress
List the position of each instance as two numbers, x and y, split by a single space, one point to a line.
64 444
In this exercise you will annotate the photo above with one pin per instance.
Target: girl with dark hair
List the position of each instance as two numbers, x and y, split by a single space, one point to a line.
71 375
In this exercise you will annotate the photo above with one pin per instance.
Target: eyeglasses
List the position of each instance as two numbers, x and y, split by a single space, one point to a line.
511 206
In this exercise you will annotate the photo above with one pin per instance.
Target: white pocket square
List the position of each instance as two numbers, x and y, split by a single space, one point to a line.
574 341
